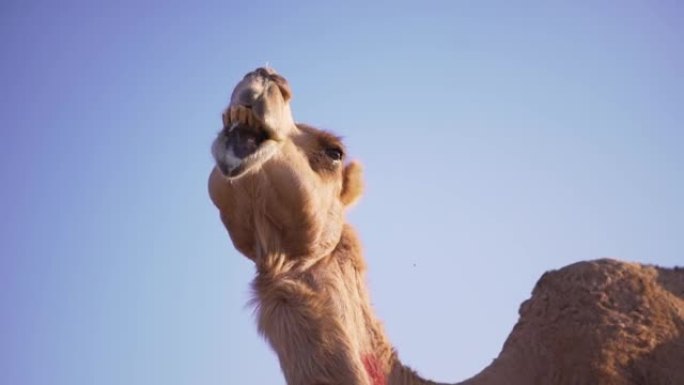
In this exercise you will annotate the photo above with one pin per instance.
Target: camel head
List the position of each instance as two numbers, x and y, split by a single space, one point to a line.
281 187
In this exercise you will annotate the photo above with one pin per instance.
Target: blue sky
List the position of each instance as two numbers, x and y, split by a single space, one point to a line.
500 140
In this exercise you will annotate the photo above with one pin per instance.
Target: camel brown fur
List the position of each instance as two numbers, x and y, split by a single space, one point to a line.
282 190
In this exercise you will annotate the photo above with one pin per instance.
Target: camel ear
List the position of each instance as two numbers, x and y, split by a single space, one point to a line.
352 183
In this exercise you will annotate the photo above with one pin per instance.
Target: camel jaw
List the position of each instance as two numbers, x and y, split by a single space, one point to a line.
243 146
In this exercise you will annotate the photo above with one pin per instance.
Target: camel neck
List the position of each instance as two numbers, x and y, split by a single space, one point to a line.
320 322
318 318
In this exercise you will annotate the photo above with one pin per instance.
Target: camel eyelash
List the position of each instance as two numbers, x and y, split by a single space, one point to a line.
334 153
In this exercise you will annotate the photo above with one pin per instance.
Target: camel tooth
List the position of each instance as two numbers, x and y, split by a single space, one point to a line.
253 121
243 115
232 113
256 122
242 118
237 114
248 118
225 116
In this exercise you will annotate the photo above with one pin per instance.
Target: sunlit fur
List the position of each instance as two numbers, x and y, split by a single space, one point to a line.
287 215
600 322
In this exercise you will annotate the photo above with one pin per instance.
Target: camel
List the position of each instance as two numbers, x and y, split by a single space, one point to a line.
282 189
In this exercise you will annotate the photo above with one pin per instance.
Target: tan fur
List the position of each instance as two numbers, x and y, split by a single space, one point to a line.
352 184
600 322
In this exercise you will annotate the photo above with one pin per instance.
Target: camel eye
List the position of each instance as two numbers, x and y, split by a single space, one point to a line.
334 153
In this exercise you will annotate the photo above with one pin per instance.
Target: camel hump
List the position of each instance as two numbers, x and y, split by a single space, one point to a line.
610 287
601 321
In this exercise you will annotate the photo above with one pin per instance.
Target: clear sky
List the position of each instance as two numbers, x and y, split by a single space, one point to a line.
500 139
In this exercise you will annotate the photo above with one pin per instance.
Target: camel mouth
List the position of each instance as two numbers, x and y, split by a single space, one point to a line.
244 142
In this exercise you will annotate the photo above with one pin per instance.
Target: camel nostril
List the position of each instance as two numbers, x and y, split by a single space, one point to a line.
261 71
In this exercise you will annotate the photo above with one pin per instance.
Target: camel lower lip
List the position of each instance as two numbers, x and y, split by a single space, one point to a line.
245 140
236 154
225 170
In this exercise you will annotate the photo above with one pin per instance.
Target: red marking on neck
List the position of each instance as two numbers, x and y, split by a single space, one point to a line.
374 369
